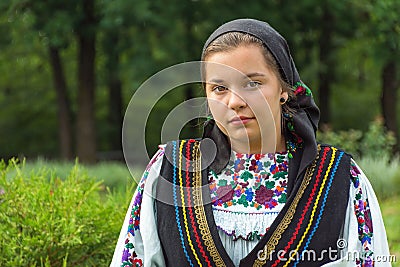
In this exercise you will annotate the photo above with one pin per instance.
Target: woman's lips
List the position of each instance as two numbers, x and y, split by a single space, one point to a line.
241 120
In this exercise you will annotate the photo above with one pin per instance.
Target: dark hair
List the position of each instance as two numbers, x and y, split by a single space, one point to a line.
232 40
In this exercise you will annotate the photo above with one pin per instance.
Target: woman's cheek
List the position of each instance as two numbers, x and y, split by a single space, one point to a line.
218 110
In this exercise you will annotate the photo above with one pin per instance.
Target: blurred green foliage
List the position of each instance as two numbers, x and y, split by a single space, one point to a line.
148 36
48 221
375 143
373 151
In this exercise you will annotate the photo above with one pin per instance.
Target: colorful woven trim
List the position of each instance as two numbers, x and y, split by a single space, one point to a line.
306 208
129 256
287 219
190 217
363 213
328 187
316 201
177 216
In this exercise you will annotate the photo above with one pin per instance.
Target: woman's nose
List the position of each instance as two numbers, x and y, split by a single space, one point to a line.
236 101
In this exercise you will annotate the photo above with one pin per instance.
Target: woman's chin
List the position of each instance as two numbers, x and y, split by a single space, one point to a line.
244 136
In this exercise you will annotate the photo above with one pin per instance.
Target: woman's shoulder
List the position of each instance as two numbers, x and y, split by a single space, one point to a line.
167 150
334 147
179 142
338 155
358 178
356 173
157 157
181 146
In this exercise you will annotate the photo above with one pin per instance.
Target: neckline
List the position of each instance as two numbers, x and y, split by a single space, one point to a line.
235 154
215 234
267 153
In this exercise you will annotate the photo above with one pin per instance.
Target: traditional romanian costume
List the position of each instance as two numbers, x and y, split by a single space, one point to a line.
201 204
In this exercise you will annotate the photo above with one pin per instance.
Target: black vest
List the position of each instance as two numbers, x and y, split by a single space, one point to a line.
305 233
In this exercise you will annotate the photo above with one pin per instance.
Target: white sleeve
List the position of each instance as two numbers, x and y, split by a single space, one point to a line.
138 243
364 241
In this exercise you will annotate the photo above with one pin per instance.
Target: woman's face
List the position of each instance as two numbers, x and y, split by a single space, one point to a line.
244 94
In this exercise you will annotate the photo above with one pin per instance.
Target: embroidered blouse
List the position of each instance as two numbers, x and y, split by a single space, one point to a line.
246 197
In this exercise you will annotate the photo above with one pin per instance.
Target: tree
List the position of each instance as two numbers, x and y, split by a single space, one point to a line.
63 103
85 128
384 31
118 21
56 30
58 22
117 48
333 22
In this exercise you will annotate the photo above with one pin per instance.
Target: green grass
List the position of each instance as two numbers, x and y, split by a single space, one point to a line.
391 216
383 174
114 175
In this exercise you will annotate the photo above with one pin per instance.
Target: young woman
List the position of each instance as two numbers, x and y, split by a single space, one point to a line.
256 189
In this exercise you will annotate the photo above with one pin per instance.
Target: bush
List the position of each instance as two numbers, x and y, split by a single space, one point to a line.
376 142
349 140
373 151
48 221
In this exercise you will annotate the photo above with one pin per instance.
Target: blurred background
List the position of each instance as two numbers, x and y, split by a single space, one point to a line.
69 68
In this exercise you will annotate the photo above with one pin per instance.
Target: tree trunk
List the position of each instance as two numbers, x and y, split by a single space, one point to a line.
63 104
390 84
85 128
114 91
326 71
191 51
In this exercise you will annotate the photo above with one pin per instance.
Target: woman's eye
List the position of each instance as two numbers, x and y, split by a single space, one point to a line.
219 88
253 84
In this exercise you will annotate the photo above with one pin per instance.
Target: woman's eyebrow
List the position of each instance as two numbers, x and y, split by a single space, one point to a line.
215 81
245 76
254 74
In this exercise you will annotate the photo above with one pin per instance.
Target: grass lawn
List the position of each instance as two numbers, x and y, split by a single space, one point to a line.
115 175
391 216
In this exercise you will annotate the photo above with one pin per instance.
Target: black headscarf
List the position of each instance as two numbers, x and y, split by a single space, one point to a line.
304 121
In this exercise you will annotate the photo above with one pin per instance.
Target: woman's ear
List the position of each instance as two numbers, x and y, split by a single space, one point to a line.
284 97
